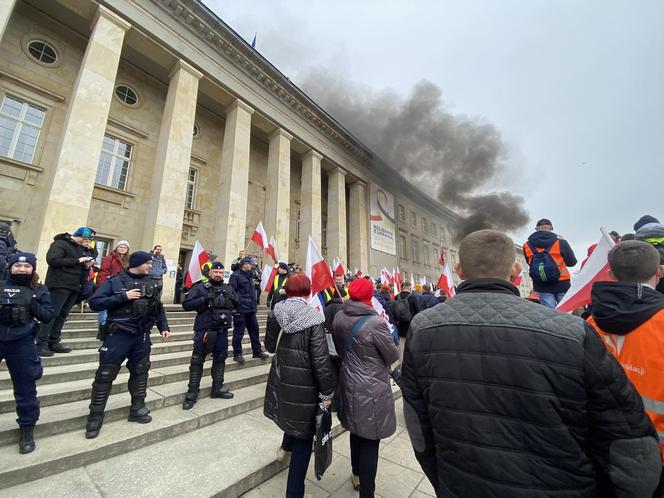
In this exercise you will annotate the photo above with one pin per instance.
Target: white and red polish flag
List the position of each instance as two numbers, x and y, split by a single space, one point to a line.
398 279
267 278
260 237
338 268
272 250
319 274
198 258
596 269
446 280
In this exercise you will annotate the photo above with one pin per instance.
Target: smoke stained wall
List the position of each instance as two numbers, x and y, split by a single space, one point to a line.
451 157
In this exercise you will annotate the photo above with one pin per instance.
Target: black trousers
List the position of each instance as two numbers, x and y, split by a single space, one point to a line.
299 463
63 300
364 463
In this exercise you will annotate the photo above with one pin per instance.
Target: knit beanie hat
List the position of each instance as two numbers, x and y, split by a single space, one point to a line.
283 266
121 243
139 258
85 232
644 220
361 290
22 257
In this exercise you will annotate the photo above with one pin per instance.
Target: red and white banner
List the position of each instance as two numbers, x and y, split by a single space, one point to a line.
446 280
272 250
596 269
198 258
338 268
317 270
260 237
267 278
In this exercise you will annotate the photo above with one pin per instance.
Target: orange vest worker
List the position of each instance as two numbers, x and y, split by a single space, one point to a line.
555 254
630 319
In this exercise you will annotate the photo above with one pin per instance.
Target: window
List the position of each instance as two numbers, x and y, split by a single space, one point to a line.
126 95
20 124
197 129
190 200
416 255
433 230
103 247
402 213
114 163
413 219
42 52
435 252
403 250
425 227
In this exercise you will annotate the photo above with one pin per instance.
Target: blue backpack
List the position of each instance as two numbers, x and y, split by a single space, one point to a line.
543 269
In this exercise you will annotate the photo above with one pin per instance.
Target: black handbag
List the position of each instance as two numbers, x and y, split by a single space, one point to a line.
322 441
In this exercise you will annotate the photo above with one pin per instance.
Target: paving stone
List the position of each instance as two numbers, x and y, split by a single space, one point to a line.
70 484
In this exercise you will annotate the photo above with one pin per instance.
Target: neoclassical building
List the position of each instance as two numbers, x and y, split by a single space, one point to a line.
153 121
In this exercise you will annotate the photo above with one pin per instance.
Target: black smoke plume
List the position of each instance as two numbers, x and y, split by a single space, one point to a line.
452 157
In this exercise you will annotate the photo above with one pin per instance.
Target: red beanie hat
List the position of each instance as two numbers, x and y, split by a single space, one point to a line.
362 290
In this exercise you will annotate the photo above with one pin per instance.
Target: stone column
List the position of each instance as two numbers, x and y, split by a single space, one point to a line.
278 190
163 223
85 124
310 204
358 240
232 206
6 9
336 215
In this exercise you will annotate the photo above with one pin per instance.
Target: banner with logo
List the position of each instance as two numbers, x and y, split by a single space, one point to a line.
383 226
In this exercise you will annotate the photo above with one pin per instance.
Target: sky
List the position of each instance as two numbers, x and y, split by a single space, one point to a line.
575 88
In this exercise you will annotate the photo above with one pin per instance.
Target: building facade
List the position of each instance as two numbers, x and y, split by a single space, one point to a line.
153 121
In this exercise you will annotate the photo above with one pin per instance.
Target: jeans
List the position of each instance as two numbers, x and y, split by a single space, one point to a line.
63 300
551 299
251 322
299 463
364 463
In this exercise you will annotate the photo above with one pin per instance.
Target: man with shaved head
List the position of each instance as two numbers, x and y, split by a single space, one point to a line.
505 397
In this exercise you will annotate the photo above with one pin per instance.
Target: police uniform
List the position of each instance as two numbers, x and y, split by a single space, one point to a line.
215 302
21 308
126 335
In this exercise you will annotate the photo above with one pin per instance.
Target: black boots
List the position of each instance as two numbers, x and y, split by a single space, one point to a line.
43 351
138 386
101 390
219 390
27 441
195 375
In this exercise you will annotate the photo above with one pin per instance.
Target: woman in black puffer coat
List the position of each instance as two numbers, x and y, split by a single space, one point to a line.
301 376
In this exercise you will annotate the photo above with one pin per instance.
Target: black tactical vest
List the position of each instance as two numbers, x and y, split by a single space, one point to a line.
148 305
221 306
15 304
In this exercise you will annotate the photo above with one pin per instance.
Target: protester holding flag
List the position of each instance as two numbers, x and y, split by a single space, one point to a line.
276 290
300 378
338 290
549 256
366 404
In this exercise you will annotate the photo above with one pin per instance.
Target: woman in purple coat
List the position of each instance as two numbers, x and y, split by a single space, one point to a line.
367 404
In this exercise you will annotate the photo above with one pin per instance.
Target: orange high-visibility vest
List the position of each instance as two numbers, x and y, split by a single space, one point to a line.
555 254
641 354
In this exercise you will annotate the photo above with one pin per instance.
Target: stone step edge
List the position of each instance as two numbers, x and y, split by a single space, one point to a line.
155 402
66 394
267 472
84 457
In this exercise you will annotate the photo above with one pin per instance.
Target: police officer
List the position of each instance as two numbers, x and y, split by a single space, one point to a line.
215 302
132 300
24 302
277 292
243 286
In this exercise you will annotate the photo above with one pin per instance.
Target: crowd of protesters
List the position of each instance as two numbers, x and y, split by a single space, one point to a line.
503 396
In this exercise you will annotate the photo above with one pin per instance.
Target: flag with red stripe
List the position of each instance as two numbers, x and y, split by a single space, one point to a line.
260 237
198 258
596 269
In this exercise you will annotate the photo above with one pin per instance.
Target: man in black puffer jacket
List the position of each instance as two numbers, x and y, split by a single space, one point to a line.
504 397
68 268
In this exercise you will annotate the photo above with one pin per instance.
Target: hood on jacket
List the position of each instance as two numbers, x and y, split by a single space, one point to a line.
543 239
620 307
357 308
64 236
294 315
650 230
